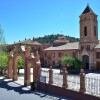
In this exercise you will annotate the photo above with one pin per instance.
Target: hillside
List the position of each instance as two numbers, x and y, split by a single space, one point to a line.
49 39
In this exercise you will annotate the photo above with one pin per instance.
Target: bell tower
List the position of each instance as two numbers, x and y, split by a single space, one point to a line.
88 29
88 36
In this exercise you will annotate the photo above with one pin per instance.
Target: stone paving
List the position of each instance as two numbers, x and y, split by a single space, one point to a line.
15 91
72 80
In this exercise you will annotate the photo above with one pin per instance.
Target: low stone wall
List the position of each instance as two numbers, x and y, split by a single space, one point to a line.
64 92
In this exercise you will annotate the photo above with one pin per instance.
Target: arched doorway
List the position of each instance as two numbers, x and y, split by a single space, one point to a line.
85 60
18 60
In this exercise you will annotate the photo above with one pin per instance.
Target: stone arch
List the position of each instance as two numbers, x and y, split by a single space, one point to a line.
85 59
29 60
15 65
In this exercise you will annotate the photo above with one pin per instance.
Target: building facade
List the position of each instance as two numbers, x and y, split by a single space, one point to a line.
87 49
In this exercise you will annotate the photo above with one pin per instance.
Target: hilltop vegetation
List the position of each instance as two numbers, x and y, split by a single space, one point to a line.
49 39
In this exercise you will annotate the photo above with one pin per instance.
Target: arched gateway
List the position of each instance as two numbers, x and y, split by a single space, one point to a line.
29 60
85 59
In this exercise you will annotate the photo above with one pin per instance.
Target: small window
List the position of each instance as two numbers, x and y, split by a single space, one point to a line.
53 54
59 54
94 30
85 31
74 54
98 55
45 54
82 47
88 47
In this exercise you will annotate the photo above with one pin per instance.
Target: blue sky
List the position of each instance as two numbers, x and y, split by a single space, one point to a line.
22 19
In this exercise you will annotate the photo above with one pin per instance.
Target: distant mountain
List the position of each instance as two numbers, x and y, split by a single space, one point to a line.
49 39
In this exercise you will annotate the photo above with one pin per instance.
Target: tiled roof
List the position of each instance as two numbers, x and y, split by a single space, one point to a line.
97 46
61 39
68 46
29 41
87 10
36 43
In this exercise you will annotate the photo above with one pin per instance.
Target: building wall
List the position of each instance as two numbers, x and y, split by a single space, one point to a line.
54 57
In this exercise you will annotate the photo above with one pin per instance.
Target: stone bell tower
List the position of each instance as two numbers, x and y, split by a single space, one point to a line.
88 36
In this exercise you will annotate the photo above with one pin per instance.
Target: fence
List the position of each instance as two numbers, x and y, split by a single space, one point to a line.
93 84
74 82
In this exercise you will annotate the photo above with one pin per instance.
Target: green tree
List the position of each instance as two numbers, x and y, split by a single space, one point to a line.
67 60
4 61
20 63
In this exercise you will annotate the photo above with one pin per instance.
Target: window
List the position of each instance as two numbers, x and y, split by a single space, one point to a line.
45 54
53 54
85 31
82 47
59 54
88 47
74 54
94 30
98 55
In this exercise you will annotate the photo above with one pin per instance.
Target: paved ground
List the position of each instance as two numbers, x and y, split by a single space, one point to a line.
11 91
15 91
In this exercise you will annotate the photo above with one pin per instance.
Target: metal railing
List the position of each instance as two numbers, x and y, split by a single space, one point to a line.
92 85
73 82
57 79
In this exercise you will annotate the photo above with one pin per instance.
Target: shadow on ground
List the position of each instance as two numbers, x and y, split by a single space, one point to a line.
10 85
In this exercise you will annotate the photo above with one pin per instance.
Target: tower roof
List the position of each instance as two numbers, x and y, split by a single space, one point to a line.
88 10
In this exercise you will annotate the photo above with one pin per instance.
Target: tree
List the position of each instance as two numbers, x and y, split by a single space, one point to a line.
67 60
4 61
20 63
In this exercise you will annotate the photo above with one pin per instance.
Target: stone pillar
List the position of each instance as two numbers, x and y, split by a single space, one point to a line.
26 73
27 67
37 67
39 72
50 75
65 73
10 66
15 75
34 71
82 81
